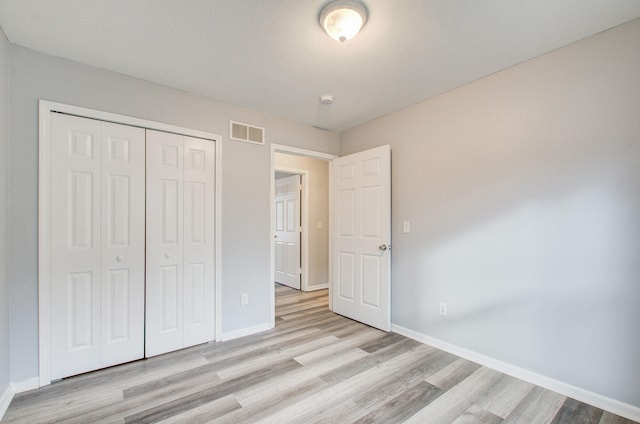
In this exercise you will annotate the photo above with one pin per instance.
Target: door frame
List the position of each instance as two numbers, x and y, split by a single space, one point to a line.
304 222
45 108
296 151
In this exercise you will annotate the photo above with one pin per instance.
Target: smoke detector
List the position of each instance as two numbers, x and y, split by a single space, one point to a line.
326 99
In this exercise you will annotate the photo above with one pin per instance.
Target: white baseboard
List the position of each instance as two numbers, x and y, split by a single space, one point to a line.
317 287
5 400
611 405
230 335
25 385
12 389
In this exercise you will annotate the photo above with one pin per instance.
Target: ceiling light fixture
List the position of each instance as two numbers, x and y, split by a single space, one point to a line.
343 19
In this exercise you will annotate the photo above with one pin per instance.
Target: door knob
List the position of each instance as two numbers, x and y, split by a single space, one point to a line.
383 247
119 258
166 255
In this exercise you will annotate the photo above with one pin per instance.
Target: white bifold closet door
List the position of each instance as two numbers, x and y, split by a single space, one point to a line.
180 242
98 244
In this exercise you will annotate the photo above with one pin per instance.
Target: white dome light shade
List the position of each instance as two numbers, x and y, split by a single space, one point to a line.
343 19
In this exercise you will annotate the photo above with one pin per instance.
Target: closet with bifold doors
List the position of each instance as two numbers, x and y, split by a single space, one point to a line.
130 236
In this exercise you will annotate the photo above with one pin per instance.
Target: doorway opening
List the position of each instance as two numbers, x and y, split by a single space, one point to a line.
290 191
305 265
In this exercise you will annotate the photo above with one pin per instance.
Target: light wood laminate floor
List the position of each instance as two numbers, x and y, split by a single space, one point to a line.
313 367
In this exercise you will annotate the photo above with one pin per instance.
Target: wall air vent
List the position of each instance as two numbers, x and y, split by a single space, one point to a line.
245 132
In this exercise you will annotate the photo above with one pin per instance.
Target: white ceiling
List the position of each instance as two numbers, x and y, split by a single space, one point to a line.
272 56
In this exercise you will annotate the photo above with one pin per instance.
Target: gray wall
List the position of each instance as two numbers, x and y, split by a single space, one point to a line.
523 191
4 283
246 177
318 186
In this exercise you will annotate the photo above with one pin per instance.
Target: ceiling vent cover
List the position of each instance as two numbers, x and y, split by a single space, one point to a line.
245 132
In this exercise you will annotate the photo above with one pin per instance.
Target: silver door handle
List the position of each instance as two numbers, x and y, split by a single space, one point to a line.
383 247
166 255
119 258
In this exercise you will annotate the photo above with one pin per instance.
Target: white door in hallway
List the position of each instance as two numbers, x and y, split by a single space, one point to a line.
180 242
362 237
287 236
97 244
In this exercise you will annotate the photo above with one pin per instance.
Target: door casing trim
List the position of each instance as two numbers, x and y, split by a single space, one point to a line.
280 148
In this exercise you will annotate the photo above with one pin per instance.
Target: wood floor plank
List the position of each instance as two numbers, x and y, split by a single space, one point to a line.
477 385
404 405
206 412
339 413
538 407
443 410
180 379
344 344
453 374
253 394
371 361
261 344
575 412
477 415
273 400
342 389
609 418
382 342
248 366
402 381
395 385
313 367
505 396
61 412
185 403
457 400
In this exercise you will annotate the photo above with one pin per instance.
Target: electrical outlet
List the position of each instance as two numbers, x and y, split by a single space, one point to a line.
244 299
443 308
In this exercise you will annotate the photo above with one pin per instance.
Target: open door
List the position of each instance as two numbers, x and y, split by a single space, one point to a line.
287 236
362 236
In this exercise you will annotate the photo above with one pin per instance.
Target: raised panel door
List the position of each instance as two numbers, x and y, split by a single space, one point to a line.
361 236
287 236
75 247
122 243
199 244
165 245
97 248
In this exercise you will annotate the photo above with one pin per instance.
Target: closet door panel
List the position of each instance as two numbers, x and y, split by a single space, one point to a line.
165 261
123 243
199 254
75 245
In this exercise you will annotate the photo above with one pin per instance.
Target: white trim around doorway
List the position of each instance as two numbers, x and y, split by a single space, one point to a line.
279 148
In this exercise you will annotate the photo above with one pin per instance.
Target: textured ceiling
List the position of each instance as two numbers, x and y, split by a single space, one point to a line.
272 56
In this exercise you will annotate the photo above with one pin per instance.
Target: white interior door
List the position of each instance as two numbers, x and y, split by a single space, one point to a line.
97 248
199 243
287 237
362 236
165 180
123 243
180 242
